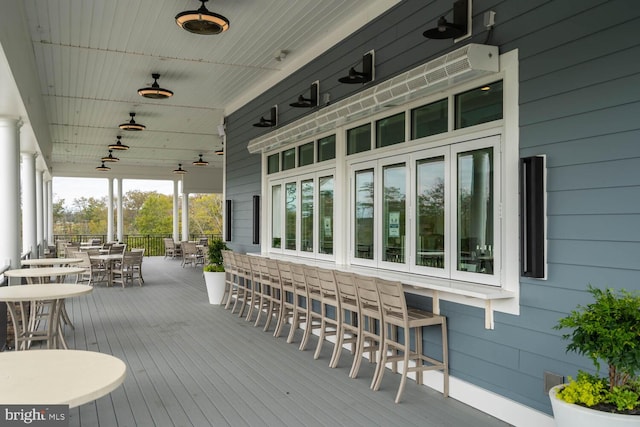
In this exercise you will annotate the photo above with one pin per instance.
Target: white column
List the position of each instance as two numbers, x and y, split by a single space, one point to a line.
29 227
110 211
50 230
40 211
175 210
120 224
185 216
10 192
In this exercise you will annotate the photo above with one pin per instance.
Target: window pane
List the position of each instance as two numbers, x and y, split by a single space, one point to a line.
327 148
289 159
390 130
430 212
290 220
364 214
325 224
480 105
475 211
276 210
429 119
273 163
359 139
305 154
306 215
395 195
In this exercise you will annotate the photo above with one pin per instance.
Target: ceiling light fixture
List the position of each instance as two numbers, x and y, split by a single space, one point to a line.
110 158
155 91
310 102
179 171
202 21
131 124
458 28
103 168
118 145
219 151
200 162
273 120
364 76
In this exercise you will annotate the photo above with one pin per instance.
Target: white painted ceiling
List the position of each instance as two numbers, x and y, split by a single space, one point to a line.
92 56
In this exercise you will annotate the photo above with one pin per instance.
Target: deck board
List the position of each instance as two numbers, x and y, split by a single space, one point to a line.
195 364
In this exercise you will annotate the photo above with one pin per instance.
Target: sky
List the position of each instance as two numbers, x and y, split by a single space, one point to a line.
70 189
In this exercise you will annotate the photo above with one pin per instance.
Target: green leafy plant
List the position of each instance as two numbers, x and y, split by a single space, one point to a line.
214 258
606 330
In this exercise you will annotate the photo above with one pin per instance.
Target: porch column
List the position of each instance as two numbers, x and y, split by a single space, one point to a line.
40 212
120 223
110 210
10 191
176 237
50 232
29 228
185 216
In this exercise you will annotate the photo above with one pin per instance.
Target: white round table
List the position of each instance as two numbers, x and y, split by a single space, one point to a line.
58 377
43 274
50 262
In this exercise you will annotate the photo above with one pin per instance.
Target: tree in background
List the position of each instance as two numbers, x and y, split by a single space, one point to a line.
155 215
205 214
132 202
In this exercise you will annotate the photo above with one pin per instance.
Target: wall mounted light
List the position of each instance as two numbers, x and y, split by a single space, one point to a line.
272 121
310 102
452 30
202 21
103 168
200 162
364 76
155 91
131 124
179 171
118 145
110 158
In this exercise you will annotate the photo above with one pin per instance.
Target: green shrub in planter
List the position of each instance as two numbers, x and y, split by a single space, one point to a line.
214 259
606 330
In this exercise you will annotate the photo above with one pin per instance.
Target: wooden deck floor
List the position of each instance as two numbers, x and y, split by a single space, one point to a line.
194 364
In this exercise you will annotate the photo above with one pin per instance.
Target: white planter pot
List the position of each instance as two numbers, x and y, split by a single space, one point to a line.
570 415
215 286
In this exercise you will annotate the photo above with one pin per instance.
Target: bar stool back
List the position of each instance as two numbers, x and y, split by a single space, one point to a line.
350 315
372 333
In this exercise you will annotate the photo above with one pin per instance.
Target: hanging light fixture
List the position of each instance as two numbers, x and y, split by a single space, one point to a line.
310 102
364 76
200 162
458 28
103 168
202 21
110 158
118 145
179 171
219 151
155 91
272 121
131 124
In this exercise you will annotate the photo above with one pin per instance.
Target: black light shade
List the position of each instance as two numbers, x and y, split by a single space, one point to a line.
202 21
364 76
131 124
103 168
110 158
219 151
155 91
447 30
118 145
179 171
200 162
310 102
273 120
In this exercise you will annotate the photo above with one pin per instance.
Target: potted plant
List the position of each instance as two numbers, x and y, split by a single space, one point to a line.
608 330
213 271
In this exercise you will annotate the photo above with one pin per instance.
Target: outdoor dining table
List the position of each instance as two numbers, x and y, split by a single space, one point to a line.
108 259
50 262
58 377
44 274
46 300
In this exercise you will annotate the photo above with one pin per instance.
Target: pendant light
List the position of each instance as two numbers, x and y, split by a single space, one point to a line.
155 91
131 124
200 162
118 145
179 171
103 168
202 21
219 151
110 158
